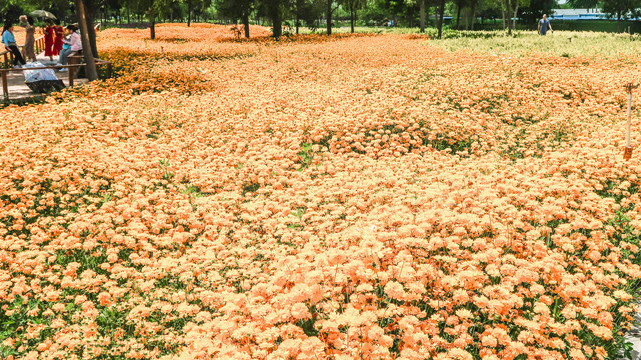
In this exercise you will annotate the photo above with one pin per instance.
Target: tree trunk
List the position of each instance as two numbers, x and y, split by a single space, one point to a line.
152 28
440 18
427 15
277 21
92 73
422 16
329 17
473 14
246 24
89 20
516 9
458 14
188 13
351 11
508 11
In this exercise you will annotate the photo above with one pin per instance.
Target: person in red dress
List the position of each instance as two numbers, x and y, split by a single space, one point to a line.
49 32
60 34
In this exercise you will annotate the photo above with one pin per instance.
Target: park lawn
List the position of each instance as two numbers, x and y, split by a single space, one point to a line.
366 196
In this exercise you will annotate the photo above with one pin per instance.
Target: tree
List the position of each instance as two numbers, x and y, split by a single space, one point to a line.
352 6
441 14
583 4
152 9
11 10
475 6
274 10
237 9
90 67
459 5
530 14
331 7
197 7
375 12
396 7
90 7
422 13
621 9
515 9
510 9
189 8
60 8
306 11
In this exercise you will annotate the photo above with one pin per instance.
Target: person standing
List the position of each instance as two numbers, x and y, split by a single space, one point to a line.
30 39
49 32
544 25
9 42
60 34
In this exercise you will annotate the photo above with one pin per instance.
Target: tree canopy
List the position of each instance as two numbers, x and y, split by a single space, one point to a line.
287 16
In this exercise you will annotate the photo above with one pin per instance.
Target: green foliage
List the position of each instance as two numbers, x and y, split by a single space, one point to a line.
194 191
24 312
167 175
306 155
530 15
235 9
622 9
250 187
12 9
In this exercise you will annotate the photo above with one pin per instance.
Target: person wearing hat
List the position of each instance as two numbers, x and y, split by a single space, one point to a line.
30 39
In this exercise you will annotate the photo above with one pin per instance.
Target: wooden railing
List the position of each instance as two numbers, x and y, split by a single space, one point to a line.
72 72
39 46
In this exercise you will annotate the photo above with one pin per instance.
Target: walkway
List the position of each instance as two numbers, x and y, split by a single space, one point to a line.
634 336
19 90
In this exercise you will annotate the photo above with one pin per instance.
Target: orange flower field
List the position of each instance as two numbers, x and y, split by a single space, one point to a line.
358 197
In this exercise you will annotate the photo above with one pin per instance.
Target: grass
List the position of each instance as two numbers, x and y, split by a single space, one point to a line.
559 43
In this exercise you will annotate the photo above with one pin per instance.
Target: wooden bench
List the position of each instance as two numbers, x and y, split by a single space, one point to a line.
77 58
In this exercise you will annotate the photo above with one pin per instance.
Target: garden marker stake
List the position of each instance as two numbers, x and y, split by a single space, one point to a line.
627 153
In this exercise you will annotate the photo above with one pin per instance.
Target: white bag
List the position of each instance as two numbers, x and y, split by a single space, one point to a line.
38 75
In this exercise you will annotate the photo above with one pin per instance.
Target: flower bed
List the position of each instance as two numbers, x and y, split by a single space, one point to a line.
373 197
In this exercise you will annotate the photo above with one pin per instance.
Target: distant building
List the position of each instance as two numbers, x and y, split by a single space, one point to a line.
577 14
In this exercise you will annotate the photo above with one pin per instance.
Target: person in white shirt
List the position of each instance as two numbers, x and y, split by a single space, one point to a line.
70 45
